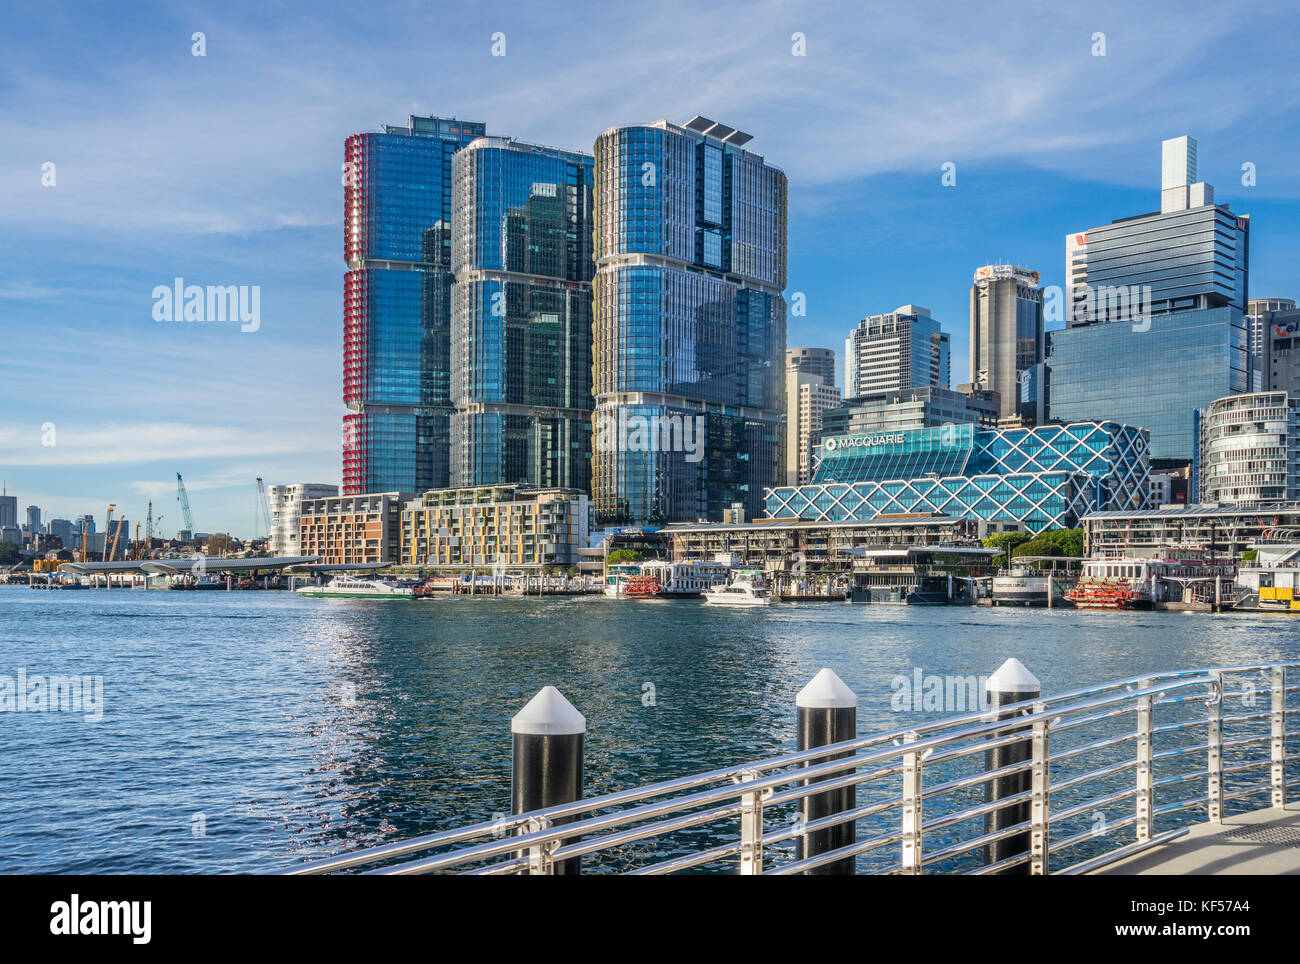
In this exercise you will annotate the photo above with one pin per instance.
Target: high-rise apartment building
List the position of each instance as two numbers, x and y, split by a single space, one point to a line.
904 348
688 323
1250 449
807 397
1156 330
1006 331
521 315
397 304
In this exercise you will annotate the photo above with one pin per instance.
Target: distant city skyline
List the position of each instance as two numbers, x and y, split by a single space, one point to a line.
233 177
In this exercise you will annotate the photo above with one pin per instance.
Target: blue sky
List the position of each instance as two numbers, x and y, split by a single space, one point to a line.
225 169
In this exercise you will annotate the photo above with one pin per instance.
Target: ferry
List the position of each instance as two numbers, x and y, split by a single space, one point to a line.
686 580
616 577
641 587
1170 577
1271 583
746 589
938 575
1029 583
350 587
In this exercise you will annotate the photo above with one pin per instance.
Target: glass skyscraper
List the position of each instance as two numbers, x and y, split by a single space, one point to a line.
688 323
521 315
1157 328
397 304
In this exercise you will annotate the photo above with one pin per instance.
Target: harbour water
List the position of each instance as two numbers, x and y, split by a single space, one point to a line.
246 731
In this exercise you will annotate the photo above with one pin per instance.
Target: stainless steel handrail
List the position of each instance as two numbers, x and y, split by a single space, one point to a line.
716 799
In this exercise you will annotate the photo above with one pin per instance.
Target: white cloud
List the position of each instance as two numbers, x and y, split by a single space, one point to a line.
138 443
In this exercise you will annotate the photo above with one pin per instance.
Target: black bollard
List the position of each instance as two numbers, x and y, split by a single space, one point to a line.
828 713
1012 683
547 766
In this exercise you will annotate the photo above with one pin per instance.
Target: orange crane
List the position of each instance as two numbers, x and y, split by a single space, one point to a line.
108 527
116 535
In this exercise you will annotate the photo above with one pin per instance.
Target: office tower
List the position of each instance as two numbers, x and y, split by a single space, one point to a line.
1076 277
1006 331
34 518
888 412
904 348
8 510
63 529
1159 328
813 361
689 323
521 315
1047 477
286 513
1271 326
807 397
397 304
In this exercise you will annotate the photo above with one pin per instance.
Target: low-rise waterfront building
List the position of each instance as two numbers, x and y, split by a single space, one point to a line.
1047 477
1225 529
353 529
788 544
1250 449
515 526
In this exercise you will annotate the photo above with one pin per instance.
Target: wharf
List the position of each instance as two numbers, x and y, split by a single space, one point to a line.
1260 842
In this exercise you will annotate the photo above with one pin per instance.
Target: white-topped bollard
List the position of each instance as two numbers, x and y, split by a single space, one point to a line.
827 713
547 764
1012 683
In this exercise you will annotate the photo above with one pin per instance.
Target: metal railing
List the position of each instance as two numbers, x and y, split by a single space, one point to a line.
1101 760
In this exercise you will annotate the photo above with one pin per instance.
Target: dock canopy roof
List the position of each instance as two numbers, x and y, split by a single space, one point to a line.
174 567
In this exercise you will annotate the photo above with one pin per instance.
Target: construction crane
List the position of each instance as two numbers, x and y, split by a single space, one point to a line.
143 551
116 535
84 525
184 500
264 506
108 527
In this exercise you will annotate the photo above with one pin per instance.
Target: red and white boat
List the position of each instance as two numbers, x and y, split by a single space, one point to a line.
1172 574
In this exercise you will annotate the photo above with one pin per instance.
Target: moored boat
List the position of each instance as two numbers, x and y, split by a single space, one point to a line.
746 589
1169 577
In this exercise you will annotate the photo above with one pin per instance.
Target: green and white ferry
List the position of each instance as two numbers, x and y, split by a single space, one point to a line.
349 587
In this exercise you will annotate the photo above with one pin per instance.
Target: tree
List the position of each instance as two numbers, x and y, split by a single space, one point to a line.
9 553
624 555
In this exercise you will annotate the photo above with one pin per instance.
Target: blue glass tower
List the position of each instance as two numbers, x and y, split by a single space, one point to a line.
521 315
688 323
397 304
1157 328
